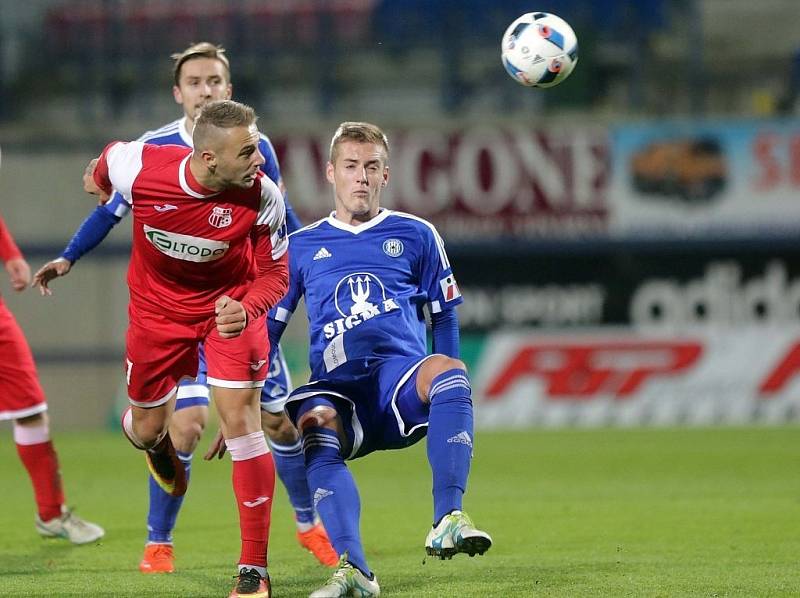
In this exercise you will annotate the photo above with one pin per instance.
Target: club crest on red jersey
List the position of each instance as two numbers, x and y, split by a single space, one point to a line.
220 217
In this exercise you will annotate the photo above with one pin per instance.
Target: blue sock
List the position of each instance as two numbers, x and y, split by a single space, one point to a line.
335 494
291 468
164 508
449 440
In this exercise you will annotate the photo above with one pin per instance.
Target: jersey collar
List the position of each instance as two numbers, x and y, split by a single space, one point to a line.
186 136
360 228
189 183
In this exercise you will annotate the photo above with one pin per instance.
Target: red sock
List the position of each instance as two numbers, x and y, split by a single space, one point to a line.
253 486
41 462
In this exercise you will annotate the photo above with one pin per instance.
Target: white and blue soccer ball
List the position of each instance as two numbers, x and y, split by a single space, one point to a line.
539 49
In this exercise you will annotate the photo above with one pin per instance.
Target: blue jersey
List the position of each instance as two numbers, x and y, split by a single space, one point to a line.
365 288
175 134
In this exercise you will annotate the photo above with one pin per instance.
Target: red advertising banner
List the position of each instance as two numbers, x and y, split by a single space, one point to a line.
475 183
618 376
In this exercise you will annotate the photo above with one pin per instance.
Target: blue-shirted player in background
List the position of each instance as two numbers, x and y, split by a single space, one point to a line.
202 75
366 274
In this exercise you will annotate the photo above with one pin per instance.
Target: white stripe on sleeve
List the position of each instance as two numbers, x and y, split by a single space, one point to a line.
273 214
124 165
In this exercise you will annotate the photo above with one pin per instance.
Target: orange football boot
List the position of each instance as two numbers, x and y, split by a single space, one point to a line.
158 558
316 541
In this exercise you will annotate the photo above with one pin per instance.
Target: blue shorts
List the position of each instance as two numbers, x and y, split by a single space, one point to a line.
274 393
376 399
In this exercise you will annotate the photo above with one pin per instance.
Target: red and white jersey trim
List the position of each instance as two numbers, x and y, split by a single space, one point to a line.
20 413
184 184
235 383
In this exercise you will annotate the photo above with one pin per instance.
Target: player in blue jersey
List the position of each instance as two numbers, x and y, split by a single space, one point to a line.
202 75
366 275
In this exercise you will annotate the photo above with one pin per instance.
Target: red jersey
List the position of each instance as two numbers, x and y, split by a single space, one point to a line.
192 245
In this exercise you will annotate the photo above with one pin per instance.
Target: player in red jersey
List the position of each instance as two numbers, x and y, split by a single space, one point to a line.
201 75
22 401
208 260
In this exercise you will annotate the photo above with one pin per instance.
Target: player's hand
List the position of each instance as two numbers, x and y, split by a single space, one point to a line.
217 447
231 317
53 269
19 272
89 184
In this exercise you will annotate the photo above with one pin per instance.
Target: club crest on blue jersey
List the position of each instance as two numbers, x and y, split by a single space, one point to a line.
220 217
393 247
358 297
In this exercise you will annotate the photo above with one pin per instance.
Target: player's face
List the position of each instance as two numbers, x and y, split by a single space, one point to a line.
202 80
358 175
238 159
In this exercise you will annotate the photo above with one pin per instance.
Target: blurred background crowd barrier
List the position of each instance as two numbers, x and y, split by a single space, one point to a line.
627 243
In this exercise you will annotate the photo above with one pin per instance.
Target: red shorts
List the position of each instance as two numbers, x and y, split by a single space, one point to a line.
160 352
21 394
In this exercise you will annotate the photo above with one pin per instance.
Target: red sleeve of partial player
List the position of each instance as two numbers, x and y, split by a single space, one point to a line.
101 176
272 280
8 248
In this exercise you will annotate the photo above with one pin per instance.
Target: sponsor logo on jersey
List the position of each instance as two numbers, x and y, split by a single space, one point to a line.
185 247
393 247
220 217
165 208
358 297
449 288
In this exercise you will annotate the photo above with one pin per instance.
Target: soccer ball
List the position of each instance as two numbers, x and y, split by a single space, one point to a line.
539 49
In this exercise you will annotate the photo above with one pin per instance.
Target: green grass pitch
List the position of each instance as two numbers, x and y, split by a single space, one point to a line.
690 512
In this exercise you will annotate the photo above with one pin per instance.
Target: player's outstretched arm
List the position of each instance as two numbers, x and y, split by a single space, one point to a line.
51 270
88 236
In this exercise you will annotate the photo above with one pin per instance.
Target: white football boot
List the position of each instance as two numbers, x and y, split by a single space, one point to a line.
348 581
456 533
70 527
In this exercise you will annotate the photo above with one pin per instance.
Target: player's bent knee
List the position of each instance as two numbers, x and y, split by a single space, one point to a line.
320 416
187 427
433 367
438 364
279 428
186 435
148 435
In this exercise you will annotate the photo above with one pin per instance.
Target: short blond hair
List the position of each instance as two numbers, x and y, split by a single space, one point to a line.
199 50
360 132
221 114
